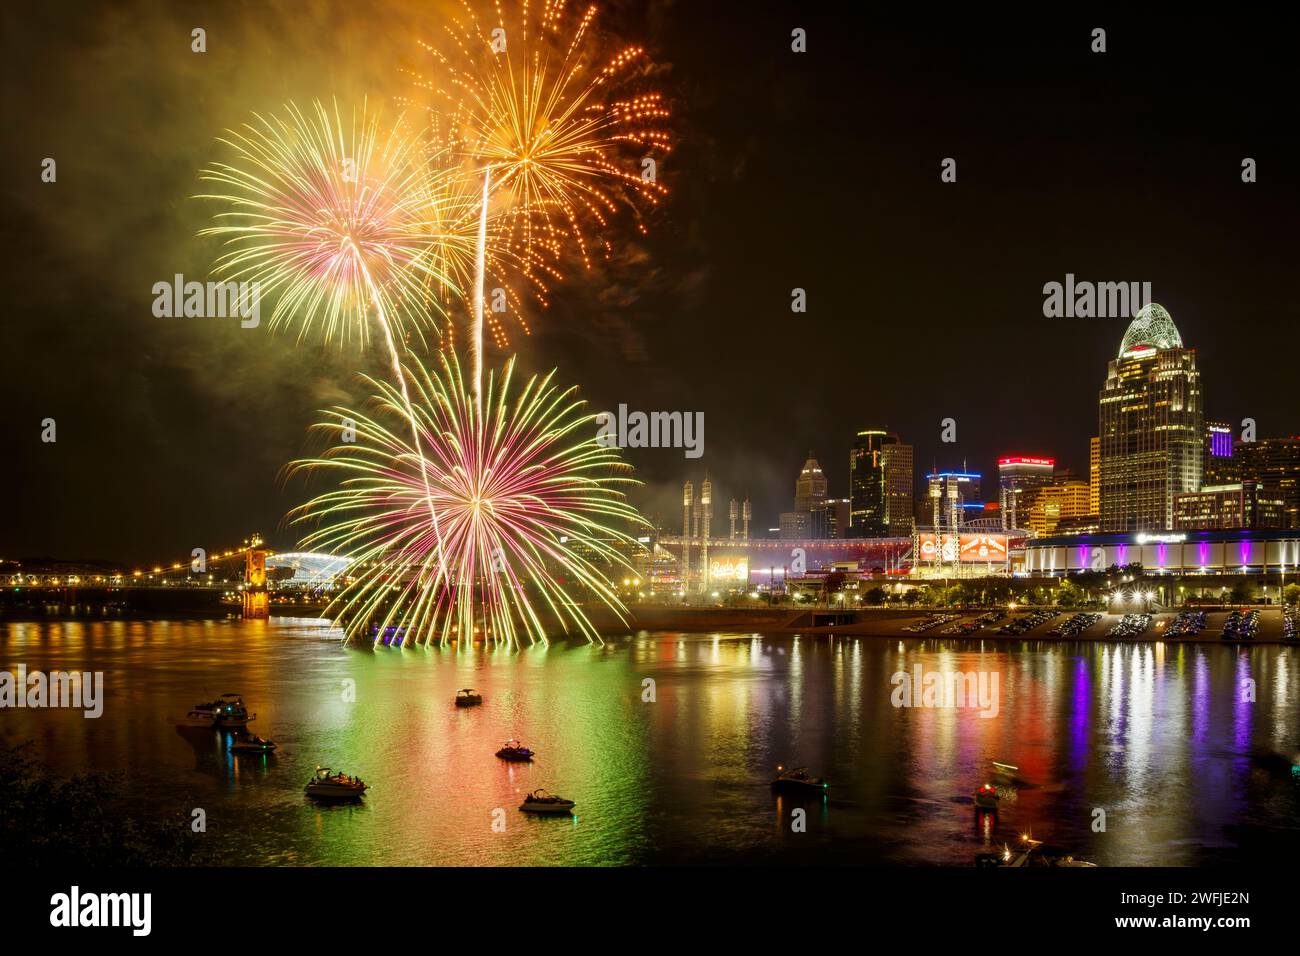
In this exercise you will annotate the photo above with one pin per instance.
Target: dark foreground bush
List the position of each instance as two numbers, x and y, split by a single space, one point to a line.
77 822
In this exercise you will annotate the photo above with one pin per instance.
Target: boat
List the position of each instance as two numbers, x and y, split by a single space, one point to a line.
514 750
798 779
986 797
539 801
334 786
468 697
251 744
1006 769
231 711
201 715
228 710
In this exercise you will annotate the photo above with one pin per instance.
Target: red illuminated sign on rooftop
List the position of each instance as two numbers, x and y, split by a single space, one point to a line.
1018 460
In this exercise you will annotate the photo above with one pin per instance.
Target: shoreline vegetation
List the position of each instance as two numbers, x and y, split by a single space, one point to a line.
80 821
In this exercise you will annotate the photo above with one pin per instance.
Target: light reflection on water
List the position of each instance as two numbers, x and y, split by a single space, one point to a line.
1161 737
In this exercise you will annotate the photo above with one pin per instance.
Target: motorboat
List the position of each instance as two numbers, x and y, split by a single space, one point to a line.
334 786
514 750
468 697
251 744
798 779
200 715
228 710
547 804
1006 769
986 797
231 711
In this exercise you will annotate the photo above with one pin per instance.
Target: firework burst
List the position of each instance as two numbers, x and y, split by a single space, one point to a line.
337 219
341 222
532 108
531 509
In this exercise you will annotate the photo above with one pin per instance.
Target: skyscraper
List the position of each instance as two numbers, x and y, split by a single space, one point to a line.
810 487
809 517
1151 425
896 458
1055 503
1019 481
1274 465
880 473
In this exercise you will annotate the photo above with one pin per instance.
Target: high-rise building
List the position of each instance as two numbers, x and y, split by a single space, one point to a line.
1094 476
837 517
810 488
896 458
1274 465
795 525
1221 466
809 518
1219 507
1056 502
1019 481
867 484
1151 425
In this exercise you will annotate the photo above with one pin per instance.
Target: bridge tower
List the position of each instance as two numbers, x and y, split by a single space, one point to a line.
257 601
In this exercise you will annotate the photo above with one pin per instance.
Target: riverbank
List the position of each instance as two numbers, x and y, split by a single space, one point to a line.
901 624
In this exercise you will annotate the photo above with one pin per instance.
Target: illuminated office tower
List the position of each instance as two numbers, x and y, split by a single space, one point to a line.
1094 476
1055 503
867 484
896 459
1274 465
1020 480
1151 425
810 487
1222 467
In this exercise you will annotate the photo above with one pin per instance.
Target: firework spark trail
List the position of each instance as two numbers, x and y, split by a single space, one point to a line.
480 269
522 485
315 215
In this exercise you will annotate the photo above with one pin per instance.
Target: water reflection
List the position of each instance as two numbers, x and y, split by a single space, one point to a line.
1186 748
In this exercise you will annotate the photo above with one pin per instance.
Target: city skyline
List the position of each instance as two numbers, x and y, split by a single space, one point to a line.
934 312
1150 350
486 435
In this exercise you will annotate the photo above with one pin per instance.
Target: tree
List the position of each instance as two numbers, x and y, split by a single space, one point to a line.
1291 594
78 822
1242 593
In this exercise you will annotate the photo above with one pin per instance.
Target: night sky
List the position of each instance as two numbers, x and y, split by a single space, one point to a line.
818 170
